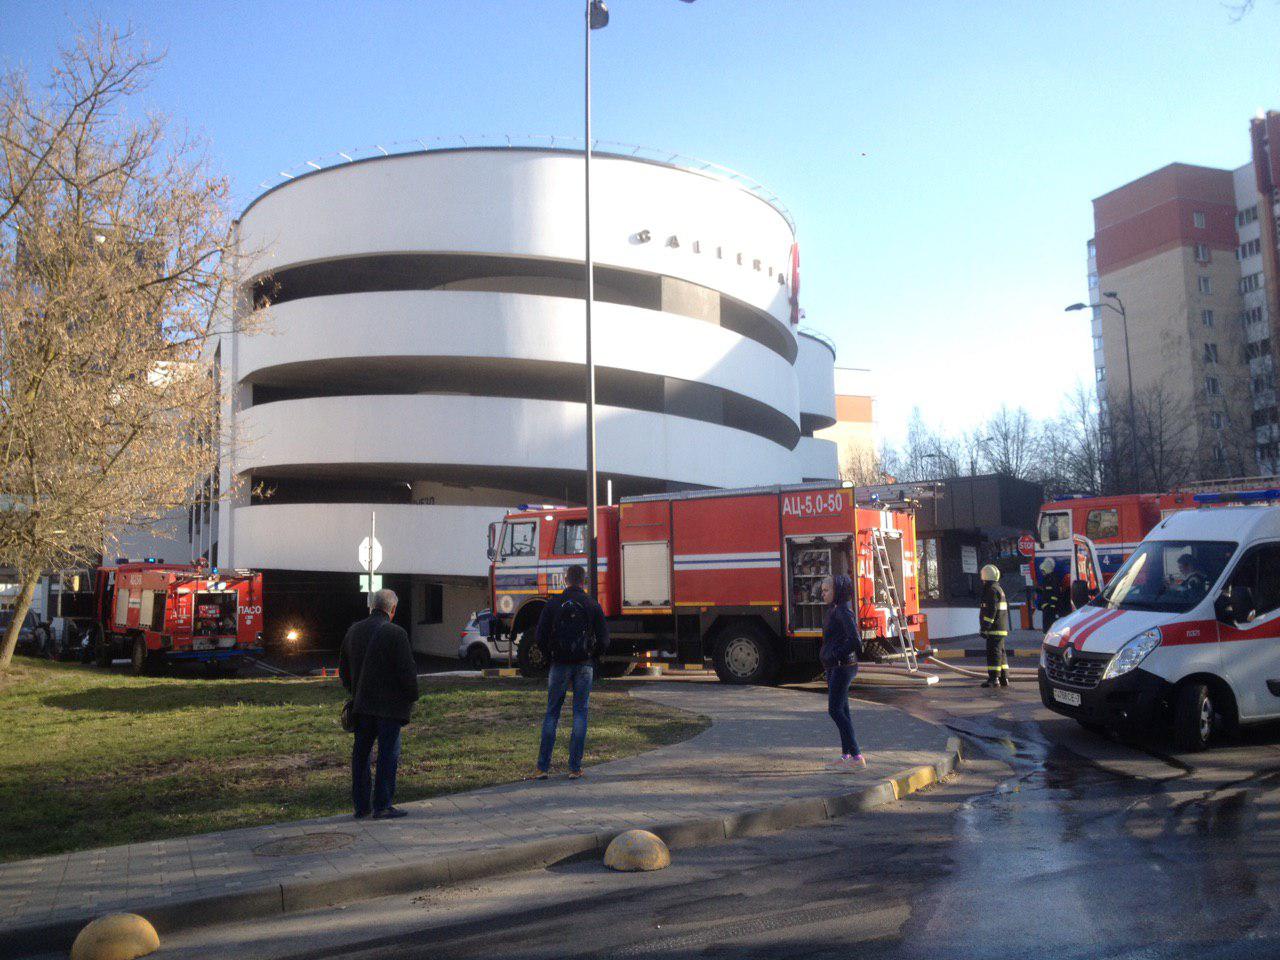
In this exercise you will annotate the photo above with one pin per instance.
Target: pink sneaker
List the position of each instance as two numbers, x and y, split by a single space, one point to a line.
853 764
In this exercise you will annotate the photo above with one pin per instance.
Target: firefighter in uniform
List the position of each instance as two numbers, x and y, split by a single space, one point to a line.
993 624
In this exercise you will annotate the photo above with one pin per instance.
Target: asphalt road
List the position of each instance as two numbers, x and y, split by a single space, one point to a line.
1051 843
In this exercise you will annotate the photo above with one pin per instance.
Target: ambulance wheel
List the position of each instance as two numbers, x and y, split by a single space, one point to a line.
744 655
1193 717
528 657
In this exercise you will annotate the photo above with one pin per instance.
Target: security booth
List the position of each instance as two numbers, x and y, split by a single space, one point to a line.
963 523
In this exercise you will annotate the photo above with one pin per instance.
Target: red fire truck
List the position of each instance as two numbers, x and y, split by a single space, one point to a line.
157 613
730 575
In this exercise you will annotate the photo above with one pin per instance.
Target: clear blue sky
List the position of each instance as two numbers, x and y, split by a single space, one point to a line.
939 157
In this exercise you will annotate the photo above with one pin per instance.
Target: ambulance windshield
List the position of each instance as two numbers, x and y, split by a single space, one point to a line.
1167 575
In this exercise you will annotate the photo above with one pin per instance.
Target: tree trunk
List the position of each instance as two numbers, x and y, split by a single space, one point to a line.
20 608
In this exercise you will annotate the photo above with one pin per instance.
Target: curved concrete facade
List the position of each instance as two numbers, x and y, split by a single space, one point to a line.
424 354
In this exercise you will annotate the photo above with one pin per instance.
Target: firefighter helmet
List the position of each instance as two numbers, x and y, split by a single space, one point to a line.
1046 566
990 573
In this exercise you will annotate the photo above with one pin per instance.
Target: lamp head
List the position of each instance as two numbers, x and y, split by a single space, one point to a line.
598 14
1077 306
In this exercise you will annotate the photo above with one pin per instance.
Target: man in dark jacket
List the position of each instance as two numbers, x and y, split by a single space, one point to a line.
571 634
993 624
376 666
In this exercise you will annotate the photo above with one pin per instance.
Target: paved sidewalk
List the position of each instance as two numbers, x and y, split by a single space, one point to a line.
765 747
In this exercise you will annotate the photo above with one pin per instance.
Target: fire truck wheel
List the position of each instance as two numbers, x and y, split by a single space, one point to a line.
744 655
99 647
530 659
141 661
1193 716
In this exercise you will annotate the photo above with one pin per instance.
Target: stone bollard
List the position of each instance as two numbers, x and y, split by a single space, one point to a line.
117 936
637 850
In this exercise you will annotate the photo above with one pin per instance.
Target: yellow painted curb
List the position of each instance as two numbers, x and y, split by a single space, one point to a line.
912 780
117 936
502 672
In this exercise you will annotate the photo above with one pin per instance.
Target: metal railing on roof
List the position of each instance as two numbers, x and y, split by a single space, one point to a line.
535 141
822 338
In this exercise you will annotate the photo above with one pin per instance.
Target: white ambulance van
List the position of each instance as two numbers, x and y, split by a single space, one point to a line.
1186 634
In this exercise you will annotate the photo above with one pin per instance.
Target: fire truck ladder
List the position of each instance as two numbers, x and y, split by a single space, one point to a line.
885 571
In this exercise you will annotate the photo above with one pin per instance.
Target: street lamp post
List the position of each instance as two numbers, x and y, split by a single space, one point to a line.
597 17
1118 307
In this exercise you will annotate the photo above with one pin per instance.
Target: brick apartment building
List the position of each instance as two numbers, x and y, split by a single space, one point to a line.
1191 254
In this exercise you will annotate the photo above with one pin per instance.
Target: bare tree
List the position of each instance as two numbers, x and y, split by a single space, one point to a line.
1164 434
1012 442
114 266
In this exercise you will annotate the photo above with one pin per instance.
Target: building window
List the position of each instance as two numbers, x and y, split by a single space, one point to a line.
1097 344
1206 317
1202 253
1093 281
1215 421
1250 283
1211 386
1197 218
1101 373
432 603
1210 353
1219 455
1204 284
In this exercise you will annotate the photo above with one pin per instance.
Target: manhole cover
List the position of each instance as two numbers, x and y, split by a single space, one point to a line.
307 843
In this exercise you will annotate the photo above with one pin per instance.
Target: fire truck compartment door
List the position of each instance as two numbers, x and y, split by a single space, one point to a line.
122 605
646 574
148 605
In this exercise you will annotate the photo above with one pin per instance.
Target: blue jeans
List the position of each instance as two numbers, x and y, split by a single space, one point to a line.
386 733
838 680
562 675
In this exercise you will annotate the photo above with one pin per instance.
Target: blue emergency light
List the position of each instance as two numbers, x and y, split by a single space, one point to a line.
1242 496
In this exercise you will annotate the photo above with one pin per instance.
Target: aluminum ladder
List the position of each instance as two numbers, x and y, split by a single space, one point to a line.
885 571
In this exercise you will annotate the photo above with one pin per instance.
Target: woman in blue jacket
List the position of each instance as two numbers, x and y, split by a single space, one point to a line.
841 648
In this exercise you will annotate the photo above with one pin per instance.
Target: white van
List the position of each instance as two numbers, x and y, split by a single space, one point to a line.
1186 634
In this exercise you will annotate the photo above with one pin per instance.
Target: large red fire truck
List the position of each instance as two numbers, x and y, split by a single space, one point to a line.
157 613
730 575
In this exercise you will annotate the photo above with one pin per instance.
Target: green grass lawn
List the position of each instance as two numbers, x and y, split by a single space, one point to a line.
91 758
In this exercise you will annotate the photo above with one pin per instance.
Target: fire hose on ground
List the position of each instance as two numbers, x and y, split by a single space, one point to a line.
1022 673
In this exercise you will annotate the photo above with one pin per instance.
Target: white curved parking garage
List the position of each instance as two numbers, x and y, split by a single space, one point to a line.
424 360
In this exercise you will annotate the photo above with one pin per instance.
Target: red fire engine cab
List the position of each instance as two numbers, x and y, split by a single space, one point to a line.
156 613
730 575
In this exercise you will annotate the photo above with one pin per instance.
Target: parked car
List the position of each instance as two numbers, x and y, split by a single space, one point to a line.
475 647
33 636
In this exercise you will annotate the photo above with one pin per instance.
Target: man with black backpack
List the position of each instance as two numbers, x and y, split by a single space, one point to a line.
571 635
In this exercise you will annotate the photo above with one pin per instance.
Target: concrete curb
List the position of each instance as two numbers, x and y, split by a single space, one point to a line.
281 898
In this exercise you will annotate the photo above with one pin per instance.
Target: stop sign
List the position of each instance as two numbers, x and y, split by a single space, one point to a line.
1026 545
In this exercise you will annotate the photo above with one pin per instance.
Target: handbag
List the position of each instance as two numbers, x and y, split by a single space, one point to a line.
347 717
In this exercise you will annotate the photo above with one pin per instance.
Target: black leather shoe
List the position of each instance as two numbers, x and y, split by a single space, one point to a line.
391 813
360 816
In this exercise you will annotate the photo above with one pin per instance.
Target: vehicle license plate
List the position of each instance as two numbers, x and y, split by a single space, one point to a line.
1066 696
